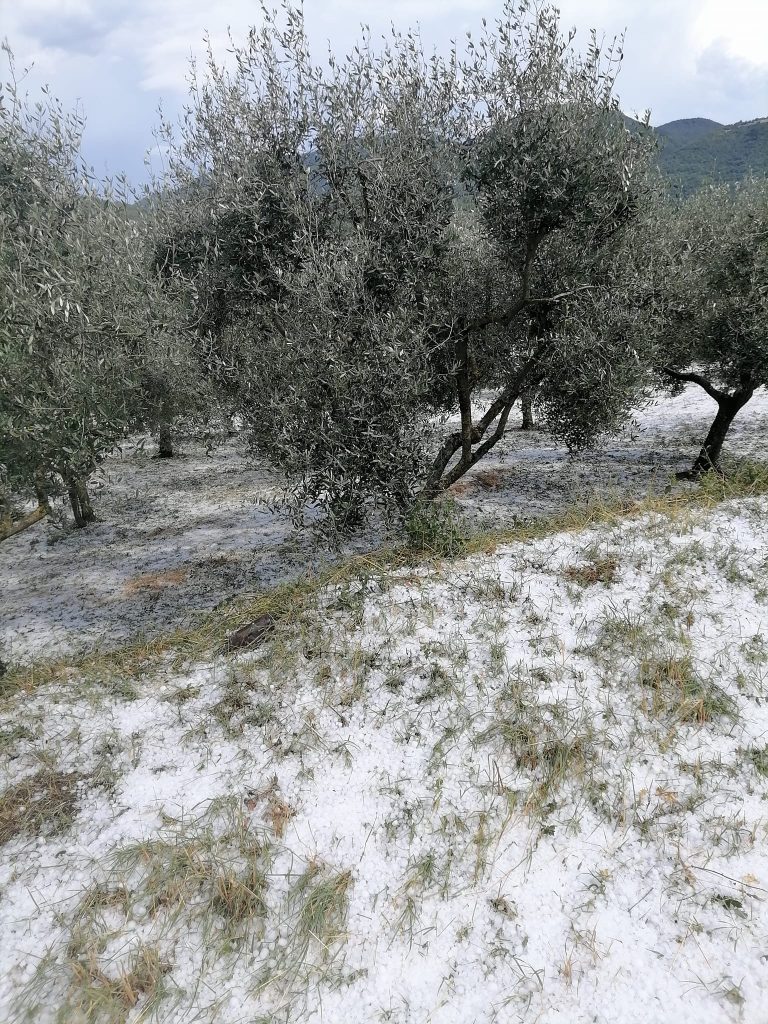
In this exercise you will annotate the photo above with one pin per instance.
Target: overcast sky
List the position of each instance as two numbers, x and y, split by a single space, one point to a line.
119 58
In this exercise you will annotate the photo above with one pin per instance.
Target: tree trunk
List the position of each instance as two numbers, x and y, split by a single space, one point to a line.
438 480
165 441
80 501
708 458
527 407
41 491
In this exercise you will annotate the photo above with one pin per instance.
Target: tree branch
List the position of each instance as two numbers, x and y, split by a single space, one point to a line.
696 378
509 314
502 405
465 398
497 319
562 295
461 467
10 529
512 391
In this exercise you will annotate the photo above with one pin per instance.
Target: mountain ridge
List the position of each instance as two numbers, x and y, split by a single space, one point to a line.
697 150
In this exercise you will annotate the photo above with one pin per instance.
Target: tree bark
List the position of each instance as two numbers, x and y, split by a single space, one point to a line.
80 501
165 441
728 405
464 394
473 433
526 401
709 457
9 528
41 491
528 377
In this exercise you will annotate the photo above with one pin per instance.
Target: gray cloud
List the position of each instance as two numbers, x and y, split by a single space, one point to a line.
729 83
76 31
118 57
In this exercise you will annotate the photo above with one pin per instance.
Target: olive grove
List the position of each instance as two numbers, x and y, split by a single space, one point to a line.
63 268
365 263
88 338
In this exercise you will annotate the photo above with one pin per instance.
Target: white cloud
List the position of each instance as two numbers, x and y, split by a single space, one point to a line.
739 28
164 36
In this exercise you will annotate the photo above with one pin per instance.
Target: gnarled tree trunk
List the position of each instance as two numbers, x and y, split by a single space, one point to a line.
165 441
709 457
80 501
10 527
439 477
728 405
526 402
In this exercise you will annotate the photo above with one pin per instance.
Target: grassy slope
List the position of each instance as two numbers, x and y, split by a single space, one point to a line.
529 783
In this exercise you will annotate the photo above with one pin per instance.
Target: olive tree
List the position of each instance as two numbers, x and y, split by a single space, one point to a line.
715 330
73 311
170 356
383 241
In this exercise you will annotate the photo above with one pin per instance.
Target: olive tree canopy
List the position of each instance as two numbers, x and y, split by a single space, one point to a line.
715 328
84 326
382 241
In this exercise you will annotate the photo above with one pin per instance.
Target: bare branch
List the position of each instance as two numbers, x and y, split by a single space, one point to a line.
696 378
10 529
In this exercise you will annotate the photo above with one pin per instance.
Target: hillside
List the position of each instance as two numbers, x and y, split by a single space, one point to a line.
526 784
695 150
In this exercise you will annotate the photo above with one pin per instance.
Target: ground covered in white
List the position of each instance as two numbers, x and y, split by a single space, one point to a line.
530 785
176 538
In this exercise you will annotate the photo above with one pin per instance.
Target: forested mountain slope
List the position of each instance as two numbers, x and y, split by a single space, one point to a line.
696 150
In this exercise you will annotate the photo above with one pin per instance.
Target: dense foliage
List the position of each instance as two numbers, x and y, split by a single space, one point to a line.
398 236
90 347
67 327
